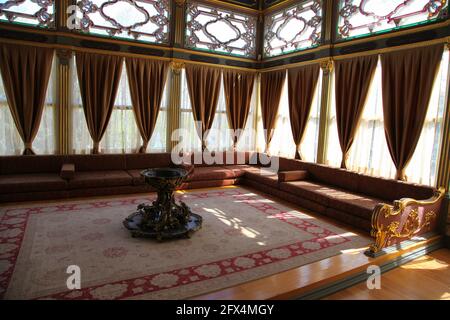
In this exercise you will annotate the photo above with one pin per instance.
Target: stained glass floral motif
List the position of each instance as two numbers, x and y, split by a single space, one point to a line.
294 28
143 20
29 12
219 30
359 18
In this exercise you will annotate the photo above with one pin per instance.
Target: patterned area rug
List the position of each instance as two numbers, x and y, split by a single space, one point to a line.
244 237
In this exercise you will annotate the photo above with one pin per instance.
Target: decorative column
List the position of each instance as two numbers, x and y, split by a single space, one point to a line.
63 98
325 101
61 10
173 115
179 24
260 36
328 12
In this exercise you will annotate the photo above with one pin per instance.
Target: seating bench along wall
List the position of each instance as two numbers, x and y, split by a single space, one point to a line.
371 204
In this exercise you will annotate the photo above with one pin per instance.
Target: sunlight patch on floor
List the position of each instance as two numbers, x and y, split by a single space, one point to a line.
445 296
426 263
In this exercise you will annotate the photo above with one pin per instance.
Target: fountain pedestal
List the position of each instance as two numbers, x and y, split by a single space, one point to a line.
164 218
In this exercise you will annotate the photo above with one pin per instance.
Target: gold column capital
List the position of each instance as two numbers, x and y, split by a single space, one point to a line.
327 66
64 56
180 3
176 67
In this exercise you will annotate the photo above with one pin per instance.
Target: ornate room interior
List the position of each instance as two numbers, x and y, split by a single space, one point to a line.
238 150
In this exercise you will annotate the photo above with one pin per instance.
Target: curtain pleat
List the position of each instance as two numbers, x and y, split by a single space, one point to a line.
147 79
353 78
302 83
99 77
407 82
26 72
271 89
204 88
238 88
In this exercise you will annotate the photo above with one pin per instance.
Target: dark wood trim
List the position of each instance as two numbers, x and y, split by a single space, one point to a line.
392 41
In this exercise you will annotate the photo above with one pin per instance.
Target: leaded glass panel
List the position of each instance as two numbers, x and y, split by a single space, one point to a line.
293 29
220 30
29 12
143 20
358 18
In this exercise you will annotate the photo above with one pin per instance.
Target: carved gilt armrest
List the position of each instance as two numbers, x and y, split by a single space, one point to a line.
407 218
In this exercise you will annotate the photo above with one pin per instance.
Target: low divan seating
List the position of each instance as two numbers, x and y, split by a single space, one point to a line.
352 198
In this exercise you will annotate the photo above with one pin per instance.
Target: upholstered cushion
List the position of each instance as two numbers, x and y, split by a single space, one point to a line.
355 204
391 190
307 189
211 173
67 171
188 167
286 176
333 176
411 190
349 219
239 170
330 196
291 164
262 175
138 179
99 179
31 164
31 182
145 161
97 162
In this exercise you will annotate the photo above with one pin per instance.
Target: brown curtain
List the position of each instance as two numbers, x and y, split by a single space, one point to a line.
147 79
408 77
302 83
271 88
26 72
204 87
353 78
238 95
99 77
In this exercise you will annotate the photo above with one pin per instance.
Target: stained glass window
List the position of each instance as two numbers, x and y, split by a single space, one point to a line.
219 30
143 20
358 18
294 28
29 12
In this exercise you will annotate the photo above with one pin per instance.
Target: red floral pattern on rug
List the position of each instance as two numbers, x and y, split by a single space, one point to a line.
13 225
